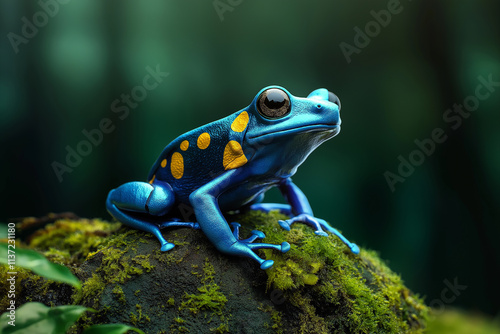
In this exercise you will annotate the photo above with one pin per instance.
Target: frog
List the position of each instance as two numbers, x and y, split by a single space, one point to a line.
227 166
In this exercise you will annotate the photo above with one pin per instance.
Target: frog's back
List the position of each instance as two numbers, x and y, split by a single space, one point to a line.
200 155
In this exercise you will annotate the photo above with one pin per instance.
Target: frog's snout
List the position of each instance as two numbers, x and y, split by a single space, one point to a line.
323 94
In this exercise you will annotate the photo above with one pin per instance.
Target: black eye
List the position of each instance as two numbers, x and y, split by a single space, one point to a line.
273 103
333 98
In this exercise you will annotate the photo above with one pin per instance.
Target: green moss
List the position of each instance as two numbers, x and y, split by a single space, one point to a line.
276 315
179 320
22 276
133 319
70 241
209 297
326 288
376 299
177 327
143 261
118 291
91 290
58 256
223 328
140 317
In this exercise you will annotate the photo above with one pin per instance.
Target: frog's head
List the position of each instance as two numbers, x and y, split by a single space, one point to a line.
278 116
290 126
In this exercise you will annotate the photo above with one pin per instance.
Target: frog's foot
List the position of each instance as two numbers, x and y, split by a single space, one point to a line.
255 234
318 224
247 246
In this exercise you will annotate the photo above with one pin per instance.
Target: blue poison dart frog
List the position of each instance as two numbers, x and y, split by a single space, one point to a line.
228 165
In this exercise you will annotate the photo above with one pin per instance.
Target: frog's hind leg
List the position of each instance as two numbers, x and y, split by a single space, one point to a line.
142 197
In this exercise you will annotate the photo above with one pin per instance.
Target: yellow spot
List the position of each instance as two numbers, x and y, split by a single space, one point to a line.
203 140
233 156
240 122
152 180
164 163
177 165
184 145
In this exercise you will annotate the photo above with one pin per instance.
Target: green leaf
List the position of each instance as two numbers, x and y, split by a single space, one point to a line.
36 318
29 259
110 329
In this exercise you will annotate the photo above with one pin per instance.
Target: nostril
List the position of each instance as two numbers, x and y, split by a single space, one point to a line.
333 98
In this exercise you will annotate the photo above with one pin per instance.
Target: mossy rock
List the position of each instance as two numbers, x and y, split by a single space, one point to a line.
317 287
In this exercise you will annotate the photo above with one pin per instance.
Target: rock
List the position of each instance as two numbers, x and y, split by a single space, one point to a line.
317 287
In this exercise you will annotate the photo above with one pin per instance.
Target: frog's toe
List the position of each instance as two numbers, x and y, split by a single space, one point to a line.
285 247
354 248
255 235
284 224
236 230
266 264
259 234
167 246
321 232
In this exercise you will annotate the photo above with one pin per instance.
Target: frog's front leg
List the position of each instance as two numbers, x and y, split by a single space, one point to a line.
301 211
212 222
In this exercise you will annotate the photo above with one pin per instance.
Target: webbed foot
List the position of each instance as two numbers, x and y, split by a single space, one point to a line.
246 245
318 224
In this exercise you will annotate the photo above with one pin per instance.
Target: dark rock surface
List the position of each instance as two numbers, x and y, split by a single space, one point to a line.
317 287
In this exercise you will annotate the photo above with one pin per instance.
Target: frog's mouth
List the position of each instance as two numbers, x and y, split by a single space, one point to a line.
334 128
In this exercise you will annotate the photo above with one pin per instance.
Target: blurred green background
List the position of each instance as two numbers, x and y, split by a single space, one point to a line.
62 75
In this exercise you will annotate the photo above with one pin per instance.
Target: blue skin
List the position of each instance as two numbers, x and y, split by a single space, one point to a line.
274 136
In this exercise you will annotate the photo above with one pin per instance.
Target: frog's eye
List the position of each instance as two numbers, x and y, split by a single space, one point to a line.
273 103
333 98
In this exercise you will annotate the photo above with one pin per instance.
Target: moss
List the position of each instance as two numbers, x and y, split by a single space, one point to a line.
276 326
118 291
76 238
143 261
58 256
326 288
210 298
133 319
376 299
91 290
21 276
223 328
